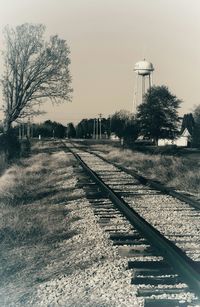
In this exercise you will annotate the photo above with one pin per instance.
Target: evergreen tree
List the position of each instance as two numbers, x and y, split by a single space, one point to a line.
188 123
196 132
71 131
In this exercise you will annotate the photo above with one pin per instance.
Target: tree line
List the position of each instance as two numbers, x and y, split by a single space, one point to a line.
156 118
153 120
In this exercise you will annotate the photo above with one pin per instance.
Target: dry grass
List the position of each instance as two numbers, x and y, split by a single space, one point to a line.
33 198
182 173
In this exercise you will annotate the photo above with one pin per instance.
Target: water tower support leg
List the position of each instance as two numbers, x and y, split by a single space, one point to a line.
135 96
143 87
149 81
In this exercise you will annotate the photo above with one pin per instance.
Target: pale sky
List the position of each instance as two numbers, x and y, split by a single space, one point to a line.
107 38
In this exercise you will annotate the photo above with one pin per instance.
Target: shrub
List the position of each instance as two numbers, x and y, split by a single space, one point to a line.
10 145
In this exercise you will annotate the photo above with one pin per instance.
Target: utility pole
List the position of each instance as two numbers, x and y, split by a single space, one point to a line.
100 115
108 126
97 129
23 131
28 128
32 127
20 132
94 125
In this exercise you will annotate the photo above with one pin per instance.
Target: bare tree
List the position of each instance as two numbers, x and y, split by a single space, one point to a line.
34 70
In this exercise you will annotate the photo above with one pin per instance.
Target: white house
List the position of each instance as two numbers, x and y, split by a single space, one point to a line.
181 141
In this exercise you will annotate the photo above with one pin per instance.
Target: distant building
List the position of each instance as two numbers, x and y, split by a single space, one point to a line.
113 136
163 142
183 140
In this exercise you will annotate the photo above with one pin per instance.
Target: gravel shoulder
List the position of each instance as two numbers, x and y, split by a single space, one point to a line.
96 275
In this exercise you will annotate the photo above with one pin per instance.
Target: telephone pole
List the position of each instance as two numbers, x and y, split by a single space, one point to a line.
20 131
94 126
23 131
97 129
28 128
100 116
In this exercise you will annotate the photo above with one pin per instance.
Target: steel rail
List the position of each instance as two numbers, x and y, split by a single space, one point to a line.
186 267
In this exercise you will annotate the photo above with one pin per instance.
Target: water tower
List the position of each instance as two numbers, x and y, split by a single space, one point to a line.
144 70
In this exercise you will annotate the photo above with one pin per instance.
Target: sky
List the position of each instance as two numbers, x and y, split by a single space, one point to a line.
106 38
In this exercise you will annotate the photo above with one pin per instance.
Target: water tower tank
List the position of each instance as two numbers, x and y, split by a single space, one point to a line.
143 68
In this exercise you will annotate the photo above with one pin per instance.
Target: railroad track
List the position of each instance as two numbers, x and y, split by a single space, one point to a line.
159 234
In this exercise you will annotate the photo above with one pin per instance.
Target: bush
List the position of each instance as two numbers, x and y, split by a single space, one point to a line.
10 145
12 148
3 162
